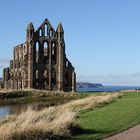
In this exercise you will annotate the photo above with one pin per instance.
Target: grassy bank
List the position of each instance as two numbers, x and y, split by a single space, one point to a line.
29 96
50 122
110 119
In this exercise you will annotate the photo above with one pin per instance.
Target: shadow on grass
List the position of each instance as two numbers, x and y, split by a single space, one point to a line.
79 131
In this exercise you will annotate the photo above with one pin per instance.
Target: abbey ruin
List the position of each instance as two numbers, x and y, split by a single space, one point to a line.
41 62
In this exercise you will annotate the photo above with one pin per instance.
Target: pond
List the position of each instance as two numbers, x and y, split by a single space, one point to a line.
18 108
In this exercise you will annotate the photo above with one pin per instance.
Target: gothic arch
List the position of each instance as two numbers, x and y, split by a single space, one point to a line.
51 33
46 77
46 29
54 53
36 74
46 52
36 78
40 32
37 51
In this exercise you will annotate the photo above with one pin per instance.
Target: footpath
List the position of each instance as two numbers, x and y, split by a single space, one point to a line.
130 134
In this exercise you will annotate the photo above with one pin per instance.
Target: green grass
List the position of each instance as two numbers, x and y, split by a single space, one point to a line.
110 119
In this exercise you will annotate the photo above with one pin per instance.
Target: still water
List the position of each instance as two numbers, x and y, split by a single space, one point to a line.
18 108
11 109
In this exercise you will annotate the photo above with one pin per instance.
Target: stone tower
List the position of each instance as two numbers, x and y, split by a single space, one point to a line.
41 62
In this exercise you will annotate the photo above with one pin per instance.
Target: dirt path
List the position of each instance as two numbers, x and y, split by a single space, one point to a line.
130 134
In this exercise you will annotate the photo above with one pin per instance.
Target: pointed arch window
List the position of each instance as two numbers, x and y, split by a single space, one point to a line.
40 32
50 33
36 74
37 51
46 29
53 48
45 75
46 53
54 57
67 63
45 48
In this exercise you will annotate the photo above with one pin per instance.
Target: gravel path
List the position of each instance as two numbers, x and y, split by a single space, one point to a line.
130 134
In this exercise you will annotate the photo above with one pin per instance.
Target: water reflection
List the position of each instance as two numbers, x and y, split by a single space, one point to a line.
4 111
12 109
18 108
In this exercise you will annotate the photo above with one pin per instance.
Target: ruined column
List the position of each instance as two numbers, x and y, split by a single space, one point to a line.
50 66
60 57
30 44
60 67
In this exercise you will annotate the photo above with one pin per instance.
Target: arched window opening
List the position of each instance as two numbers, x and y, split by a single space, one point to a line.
67 63
37 77
53 77
46 56
54 57
53 48
36 74
37 51
46 29
37 83
45 49
66 79
45 75
45 83
50 33
40 32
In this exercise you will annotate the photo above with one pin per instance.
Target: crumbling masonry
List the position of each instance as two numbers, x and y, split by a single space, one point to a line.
41 62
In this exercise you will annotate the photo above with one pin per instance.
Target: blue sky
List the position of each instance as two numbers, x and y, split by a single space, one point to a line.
102 37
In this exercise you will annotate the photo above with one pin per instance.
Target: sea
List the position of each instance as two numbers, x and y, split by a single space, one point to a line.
108 89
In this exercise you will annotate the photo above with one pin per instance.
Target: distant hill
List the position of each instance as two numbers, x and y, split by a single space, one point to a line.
0 79
88 85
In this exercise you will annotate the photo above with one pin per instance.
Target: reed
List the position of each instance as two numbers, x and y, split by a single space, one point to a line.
50 122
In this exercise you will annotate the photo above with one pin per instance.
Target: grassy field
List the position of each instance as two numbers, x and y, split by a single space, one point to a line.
87 116
51 122
110 119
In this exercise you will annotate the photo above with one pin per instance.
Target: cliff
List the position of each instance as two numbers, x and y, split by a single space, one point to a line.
88 85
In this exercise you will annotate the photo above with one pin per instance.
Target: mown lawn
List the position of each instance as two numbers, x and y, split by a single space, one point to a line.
110 119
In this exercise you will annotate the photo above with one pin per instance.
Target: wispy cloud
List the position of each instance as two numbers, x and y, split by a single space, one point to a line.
110 79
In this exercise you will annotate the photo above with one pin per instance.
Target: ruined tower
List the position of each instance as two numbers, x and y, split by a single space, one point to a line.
41 62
